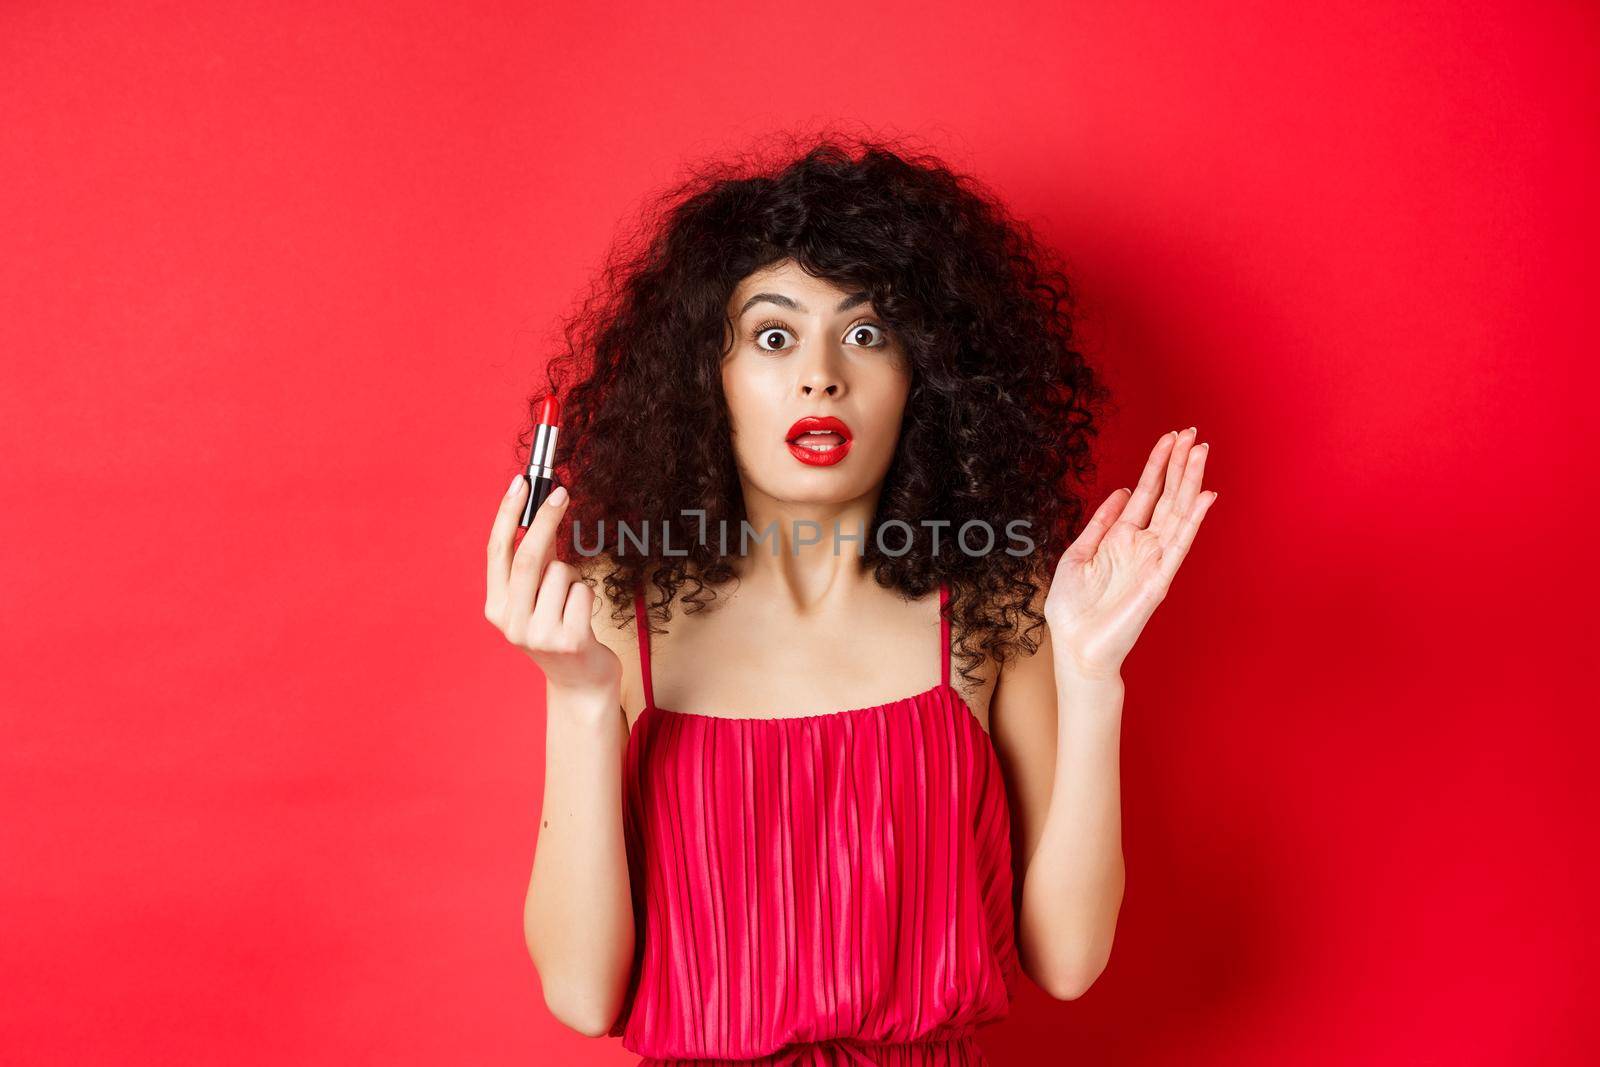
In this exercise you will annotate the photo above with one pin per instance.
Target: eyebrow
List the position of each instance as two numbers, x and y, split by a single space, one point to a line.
794 305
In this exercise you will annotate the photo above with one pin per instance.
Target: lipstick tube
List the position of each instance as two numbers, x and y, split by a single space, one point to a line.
542 460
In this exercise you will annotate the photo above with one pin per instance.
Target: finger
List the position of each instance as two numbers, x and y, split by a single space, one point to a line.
577 619
1144 493
1188 491
1088 541
1172 557
551 602
502 536
527 566
1165 507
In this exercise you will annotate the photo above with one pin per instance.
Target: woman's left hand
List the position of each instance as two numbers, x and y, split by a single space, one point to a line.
1111 578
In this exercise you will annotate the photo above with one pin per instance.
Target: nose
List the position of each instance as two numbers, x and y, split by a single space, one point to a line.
821 377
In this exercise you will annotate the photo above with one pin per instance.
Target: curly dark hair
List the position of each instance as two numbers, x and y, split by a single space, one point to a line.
998 422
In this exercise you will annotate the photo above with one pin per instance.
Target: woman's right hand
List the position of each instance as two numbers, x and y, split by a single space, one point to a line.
542 605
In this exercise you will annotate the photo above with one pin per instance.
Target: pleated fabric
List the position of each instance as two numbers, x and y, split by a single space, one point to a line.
823 889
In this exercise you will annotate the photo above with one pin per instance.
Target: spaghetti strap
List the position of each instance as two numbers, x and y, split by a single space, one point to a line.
641 621
944 636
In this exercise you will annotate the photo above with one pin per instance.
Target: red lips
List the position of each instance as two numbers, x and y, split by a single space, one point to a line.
819 440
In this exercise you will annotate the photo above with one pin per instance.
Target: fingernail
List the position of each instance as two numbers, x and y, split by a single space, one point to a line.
516 483
558 496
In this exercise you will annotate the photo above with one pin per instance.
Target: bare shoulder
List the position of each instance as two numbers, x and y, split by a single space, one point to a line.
1023 711
983 692
1025 630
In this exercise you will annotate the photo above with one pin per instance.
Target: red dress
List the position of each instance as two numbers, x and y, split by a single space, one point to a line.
818 889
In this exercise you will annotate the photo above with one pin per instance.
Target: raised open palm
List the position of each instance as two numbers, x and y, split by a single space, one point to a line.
1110 580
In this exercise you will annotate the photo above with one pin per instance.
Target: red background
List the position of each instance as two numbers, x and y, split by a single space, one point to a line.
276 280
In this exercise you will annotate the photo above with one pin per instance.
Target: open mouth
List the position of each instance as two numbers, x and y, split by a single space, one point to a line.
819 441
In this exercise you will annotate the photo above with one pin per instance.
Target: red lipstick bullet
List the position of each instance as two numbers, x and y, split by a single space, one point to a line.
542 461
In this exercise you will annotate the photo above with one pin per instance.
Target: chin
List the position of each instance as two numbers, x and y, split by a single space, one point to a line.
815 495
820 486
782 477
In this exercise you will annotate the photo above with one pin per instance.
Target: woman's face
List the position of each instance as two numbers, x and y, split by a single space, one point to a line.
801 346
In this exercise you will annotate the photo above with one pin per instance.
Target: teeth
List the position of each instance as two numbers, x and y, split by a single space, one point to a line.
820 442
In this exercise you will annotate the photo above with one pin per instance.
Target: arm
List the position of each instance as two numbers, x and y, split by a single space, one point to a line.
1058 733
578 914
1057 716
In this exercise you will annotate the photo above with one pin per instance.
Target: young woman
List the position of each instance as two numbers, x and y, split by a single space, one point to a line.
868 773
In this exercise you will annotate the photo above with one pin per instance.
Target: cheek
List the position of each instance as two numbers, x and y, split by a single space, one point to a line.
748 393
888 399
735 391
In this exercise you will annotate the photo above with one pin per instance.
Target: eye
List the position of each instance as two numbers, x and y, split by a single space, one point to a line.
867 329
766 332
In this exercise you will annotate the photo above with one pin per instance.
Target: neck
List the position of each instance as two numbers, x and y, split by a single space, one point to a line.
806 556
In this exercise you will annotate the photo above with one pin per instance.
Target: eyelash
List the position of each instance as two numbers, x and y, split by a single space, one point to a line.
773 324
